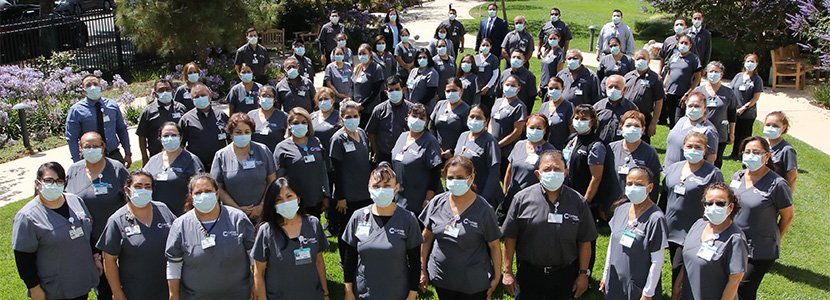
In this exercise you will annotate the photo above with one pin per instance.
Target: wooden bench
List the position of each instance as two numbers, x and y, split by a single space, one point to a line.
787 62
274 39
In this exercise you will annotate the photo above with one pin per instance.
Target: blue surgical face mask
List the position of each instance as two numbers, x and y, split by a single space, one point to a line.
351 124
772 132
694 113
246 77
614 94
380 47
165 97
193 77
325 104
715 214
171 143
201 102
266 103
341 43
442 35
204 202
636 193
363 58
554 94
535 134
683 48
382 196
451 17
552 181
458 187
299 51
581 126
713 76
615 50
405 38
252 40
750 65
299 130
292 73
491 13
393 18
553 42
338 57
241 140
520 26
510 91
616 19
641 64
516 63
93 155
51 192
93 92
475 125
753 162
441 50
484 49
692 155
678 29
395 96
141 197
288 209
466 67
697 23
632 134
415 124
554 18
573 64
423 62
453 96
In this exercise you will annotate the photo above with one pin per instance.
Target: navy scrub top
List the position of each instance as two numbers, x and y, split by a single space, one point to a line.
413 165
485 153
307 165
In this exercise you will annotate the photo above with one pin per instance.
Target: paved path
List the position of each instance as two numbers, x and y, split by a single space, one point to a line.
17 177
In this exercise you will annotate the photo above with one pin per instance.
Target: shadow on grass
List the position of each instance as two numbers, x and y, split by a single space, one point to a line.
801 275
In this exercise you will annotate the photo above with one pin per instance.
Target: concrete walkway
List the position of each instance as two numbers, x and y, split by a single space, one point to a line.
807 121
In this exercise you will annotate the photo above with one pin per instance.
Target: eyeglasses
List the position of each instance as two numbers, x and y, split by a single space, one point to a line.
718 203
756 152
52 181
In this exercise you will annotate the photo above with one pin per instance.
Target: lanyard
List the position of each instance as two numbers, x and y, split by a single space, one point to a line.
207 231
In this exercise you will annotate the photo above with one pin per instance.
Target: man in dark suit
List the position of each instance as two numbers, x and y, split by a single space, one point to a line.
493 28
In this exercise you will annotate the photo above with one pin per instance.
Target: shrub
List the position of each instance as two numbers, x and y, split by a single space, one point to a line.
811 23
132 113
656 27
821 93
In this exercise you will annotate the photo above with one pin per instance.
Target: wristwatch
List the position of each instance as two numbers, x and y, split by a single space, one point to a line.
586 272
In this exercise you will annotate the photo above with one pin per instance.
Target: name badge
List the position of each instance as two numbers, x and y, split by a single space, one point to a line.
578 92
177 115
349 147
162 176
680 189
712 102
699 129
411 84
249 100
100 188
706 252
302 256
265 130
209 241
481 69
742 88
444 117
532 159
627 238
399 156
249 164
363 229
254 61
132 230
735 184
623 170
451 231
301 93
674 59
222 136
344 79
76 232
554 218
106 118
308 158
645 83
187 95
454 33
566 153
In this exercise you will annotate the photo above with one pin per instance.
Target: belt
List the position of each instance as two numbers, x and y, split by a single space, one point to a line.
544 269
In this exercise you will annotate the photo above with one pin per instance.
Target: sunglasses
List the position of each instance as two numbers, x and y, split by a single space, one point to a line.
718 203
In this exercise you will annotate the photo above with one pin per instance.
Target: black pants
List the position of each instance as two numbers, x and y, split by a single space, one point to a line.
84 297
316 210
676 257
535 284
338 221
755 271
445 294
261 79
379 157
743 130
503 168
116 155
647 138
670 110
719 158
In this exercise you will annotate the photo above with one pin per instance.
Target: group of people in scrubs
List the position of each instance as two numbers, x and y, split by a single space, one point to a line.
426 169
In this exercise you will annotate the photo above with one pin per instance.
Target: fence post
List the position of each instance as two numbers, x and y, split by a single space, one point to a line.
118 47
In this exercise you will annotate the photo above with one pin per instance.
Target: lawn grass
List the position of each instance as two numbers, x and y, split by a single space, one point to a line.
11 152
578 14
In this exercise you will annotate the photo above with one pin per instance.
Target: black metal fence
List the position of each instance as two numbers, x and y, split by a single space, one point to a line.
93 38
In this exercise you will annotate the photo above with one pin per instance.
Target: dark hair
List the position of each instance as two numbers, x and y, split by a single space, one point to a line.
236 119
587 110
169 123
298 42
488 40
615 39
452 10
764 144
441 26
129 180
162 80
377 39
269 201
393 80
492 5
623 198
386 18
524 57
617 10
556 155
484 110
55 167
456 81
430 63
334 11
463 162
556 9
698 135
700 96
557 79
188 202
686 37
268 88
516 78
383 172
473 66
249 30
96 77
730 196
418 110
544 120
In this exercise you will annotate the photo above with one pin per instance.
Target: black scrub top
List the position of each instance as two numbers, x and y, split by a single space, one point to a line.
307 166
485 153
204 133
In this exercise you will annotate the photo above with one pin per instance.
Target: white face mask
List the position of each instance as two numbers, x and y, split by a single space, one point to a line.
715 214
288 209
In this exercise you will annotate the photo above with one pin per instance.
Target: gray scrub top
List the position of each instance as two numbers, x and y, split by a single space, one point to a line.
109 186
152 118
170 182
784 157
350 180
528 92
583 89
309 176
298 94
413 165
324 128
681 72
618 108
744 89
707 279
448 123
546 244
222 271
407 55
142 266
433 45
271 131
287 276
522 165
182 95
418 83
244 100
204 133
564 33
485 153
382 264
245 181
518 40
684 205
503 119
609 66
550 61
37 229
720 109
643 156
559 122
674 141
644 90
758 216
472 89
460 257
328 35
387 63
628 266
387 122
340 78
364 83
486 66
446 70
